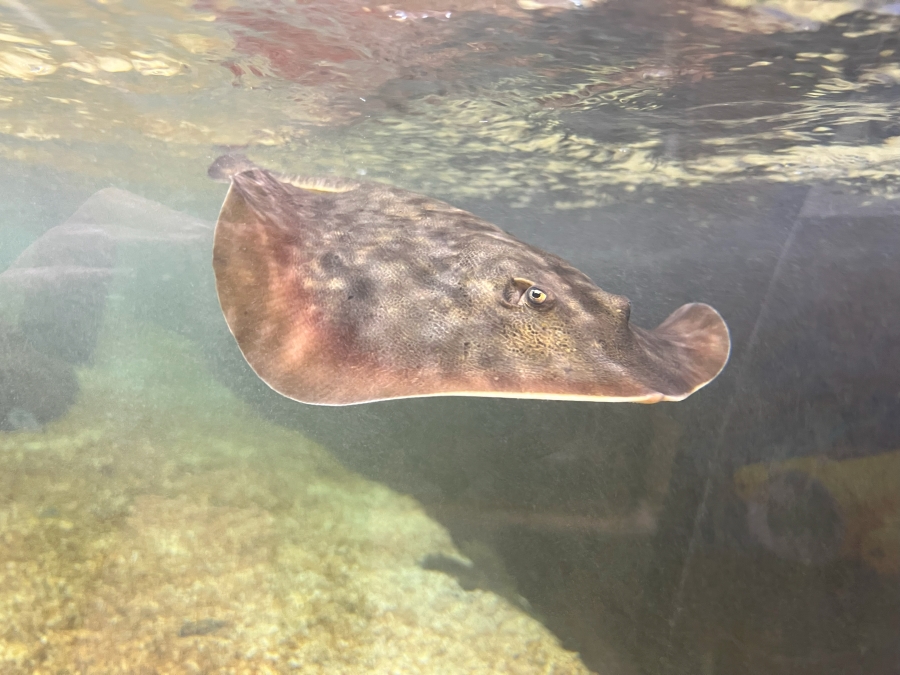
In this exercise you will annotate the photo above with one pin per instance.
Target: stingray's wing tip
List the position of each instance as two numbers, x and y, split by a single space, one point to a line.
227 166
698 344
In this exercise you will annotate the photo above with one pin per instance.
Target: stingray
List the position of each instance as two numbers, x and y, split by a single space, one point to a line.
342 292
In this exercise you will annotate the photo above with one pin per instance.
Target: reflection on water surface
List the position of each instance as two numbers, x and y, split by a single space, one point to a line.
474 100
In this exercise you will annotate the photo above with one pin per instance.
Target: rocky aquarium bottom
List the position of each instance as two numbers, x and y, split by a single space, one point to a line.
160 527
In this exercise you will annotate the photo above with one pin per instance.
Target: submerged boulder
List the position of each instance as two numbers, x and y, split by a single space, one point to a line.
163 525
35 388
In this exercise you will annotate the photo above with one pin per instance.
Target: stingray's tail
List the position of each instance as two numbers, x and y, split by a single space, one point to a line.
227 166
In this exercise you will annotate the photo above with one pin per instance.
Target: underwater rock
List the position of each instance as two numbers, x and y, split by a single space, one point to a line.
202 627
60 283
186 535
34 388
54 295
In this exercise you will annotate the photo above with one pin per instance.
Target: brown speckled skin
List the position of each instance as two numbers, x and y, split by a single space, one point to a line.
342 292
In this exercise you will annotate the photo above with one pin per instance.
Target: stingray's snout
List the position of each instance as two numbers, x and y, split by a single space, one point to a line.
226 166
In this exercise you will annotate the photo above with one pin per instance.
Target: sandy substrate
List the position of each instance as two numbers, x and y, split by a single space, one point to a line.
162 528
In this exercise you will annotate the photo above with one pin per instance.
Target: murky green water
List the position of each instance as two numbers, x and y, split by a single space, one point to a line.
162 510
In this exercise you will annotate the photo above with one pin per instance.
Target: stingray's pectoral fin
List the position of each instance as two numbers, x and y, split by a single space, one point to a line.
684 353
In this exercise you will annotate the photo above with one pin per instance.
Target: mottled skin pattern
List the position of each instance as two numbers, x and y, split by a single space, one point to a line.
343 292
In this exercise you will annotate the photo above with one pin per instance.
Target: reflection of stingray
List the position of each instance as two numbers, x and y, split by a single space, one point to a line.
342 292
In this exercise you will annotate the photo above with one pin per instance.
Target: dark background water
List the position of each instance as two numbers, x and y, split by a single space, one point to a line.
753 528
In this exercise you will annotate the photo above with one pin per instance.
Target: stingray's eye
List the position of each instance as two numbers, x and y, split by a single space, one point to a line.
521 292
536 296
